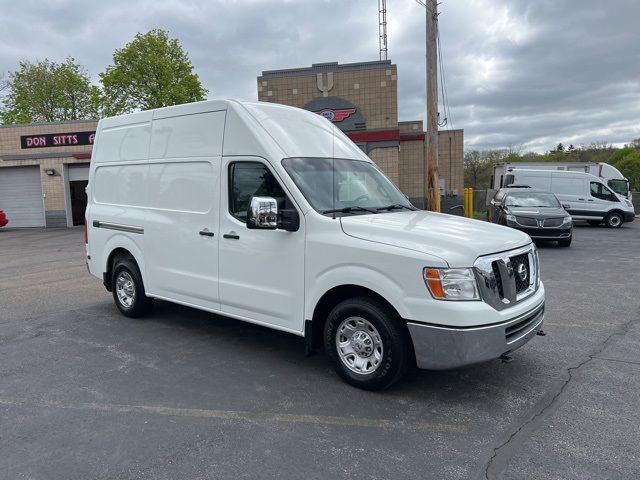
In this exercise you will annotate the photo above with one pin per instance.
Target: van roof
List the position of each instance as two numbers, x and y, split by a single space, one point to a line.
259 128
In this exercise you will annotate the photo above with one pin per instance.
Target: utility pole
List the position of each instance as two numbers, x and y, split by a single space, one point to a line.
431 157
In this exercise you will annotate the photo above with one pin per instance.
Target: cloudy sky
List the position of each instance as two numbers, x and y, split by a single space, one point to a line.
519 73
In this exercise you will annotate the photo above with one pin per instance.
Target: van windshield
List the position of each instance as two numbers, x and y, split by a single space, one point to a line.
345 186
532 200
620 186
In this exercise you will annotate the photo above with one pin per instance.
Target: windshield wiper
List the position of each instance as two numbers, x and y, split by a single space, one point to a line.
395 206
354 208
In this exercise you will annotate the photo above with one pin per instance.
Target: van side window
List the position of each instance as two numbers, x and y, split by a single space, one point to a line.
248 179
509 180
598 190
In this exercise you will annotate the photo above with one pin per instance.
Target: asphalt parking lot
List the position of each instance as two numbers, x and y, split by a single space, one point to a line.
86 393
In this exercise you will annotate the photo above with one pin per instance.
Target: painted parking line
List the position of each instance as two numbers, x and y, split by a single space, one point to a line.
246 416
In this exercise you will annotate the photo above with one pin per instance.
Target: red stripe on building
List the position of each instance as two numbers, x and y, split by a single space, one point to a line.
385 136
82 156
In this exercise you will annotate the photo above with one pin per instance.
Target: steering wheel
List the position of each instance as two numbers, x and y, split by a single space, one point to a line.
361 197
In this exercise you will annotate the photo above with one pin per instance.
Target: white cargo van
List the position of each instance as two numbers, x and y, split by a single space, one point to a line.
270 215
585 196
610 175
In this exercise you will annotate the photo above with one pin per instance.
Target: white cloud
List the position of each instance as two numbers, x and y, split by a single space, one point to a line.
518 72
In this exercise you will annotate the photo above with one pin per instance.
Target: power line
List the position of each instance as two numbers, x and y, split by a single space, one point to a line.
443 82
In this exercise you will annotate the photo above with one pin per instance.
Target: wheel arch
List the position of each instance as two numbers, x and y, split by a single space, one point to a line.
332 297
116 249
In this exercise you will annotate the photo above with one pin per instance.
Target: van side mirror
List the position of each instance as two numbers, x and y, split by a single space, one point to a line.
566 206
262 213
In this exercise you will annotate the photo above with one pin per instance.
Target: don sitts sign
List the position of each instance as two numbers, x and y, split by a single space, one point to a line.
57 139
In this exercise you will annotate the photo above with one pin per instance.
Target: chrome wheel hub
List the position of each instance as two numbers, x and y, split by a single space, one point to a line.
125 289
359 345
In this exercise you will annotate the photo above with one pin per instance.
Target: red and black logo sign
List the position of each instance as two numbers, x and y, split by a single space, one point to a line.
57 139
335 115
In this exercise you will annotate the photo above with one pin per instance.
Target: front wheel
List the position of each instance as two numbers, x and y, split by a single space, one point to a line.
565 243
613 220
367 342
128 289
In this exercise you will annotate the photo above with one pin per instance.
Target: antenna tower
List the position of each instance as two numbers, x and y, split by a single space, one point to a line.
382 28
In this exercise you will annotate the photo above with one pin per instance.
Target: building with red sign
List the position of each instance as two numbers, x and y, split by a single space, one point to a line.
44 170
362 100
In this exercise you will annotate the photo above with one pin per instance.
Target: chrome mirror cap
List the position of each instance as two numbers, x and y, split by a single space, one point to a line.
263 213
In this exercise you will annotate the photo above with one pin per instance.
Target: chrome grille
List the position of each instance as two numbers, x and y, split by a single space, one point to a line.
506 278
553 222
527 221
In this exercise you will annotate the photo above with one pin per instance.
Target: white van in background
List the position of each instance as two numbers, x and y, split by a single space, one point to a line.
584 195
271 215
610 175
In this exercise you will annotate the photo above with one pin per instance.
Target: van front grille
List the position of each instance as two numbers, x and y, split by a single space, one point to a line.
507 278
498 277
520 265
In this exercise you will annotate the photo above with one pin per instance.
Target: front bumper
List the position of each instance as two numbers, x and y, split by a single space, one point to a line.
545 233
442 348
629 216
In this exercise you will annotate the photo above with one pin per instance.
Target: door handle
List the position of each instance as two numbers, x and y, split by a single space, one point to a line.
581 199
590 200
232 236
206 233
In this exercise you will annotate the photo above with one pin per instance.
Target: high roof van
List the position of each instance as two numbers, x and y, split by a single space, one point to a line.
584 195
269 214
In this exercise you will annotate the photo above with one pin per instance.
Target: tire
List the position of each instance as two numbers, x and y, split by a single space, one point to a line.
565 243
128 289
613 220
594 223
370 327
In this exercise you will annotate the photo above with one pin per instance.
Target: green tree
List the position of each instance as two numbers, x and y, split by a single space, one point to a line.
151 71
629 166
635 144
619 154
47 91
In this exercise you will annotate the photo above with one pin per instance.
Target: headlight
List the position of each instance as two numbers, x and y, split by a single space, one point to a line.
511 218
566 220
451 283
629 204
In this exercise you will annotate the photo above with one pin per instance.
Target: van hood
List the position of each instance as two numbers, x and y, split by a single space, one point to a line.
457 240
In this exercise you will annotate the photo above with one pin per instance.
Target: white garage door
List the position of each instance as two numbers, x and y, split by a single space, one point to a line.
21 196
78 172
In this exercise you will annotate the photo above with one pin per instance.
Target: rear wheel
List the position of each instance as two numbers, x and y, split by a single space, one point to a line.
128 289
369 346
613 220
594 223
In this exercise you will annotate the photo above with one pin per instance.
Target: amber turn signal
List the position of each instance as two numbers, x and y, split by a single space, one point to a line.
433 281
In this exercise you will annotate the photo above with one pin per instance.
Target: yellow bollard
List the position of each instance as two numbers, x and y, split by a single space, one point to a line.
468 202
